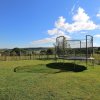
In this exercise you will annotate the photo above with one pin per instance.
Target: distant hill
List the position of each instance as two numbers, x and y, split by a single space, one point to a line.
29 49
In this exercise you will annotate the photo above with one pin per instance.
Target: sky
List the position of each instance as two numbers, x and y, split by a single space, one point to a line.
37 23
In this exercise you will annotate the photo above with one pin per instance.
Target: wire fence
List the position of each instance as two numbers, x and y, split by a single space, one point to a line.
39 57
31 57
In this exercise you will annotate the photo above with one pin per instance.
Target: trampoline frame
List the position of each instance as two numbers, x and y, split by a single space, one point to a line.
86 57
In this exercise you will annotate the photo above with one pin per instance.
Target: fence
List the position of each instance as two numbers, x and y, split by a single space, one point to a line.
31 57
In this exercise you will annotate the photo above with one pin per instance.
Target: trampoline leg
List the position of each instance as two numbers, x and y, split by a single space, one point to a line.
93 62
63 61
74 64
86 63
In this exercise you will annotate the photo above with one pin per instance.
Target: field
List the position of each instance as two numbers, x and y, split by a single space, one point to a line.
47 80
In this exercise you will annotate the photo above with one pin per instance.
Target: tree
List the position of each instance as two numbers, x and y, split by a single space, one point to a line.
98 48
42 52
49 52
16 51
13 53
6 53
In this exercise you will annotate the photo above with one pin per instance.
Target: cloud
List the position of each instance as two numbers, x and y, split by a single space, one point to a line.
98 14
74 6
97 36
96 44
56 32
83 32
49 40
81 16
53 31
81 21
72 10
44 41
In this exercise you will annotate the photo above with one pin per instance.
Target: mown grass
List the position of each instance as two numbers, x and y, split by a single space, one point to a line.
47 80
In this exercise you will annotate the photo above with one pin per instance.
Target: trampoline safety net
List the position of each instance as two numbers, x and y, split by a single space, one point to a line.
74 48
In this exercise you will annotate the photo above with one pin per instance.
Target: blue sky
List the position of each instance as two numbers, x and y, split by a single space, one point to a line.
36 23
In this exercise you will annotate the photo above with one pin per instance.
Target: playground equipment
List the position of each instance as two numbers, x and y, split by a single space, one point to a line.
74 49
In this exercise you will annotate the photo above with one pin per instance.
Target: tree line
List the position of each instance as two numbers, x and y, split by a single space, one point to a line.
48 51
26 52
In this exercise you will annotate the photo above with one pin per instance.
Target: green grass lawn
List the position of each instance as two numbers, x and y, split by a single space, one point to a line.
46 80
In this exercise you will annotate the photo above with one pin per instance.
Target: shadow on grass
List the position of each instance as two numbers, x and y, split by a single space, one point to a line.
50 68
65 67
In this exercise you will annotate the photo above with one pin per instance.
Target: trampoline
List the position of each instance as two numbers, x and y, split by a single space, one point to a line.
74 49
